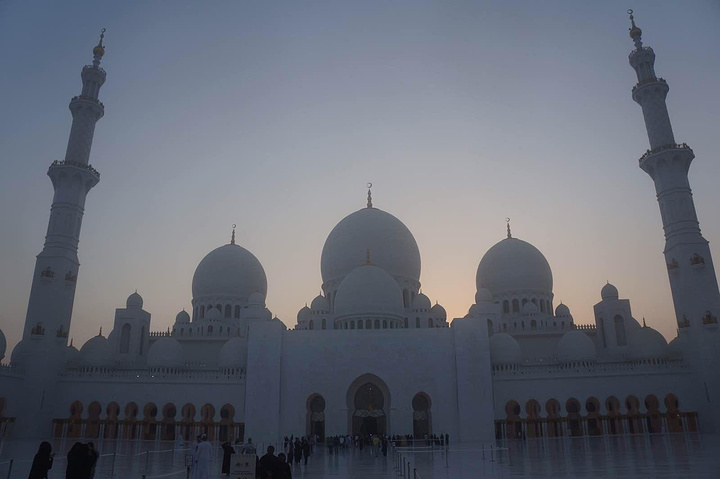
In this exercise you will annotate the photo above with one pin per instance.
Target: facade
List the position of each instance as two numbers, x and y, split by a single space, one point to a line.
371 354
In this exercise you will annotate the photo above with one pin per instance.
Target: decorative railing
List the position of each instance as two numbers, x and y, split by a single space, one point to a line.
77 165
89 98
641 49
153 375
709 318
648 80
684 322
10 370
93 67
669 146
584 327
160 334
585 367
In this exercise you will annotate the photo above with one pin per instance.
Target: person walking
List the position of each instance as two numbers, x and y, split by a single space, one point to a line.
203 455
76 457
92 458
268 463
283 468
298 451
228 451
306 449
42 462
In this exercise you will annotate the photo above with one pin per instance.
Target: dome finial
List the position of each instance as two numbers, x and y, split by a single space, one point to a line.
635 32
100 333
509 234
369 203
644 325
232 237
99 49
71 342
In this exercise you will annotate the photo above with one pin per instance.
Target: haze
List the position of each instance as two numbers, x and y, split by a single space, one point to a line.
274 115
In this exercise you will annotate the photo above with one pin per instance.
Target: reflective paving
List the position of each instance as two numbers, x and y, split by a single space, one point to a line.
662 456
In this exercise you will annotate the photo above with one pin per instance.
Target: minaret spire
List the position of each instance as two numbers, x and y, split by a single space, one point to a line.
56 268
232 237
687 253
509 234
369 202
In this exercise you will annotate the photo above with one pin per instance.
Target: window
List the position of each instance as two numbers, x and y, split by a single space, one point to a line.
384 323
237 311
417 322
430 323
323 323
228 310
311 325
125 339
515 306
210 330
620 335
506 307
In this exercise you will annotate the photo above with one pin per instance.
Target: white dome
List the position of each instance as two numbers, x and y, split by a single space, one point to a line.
3 344
438 311
182 317
19 353
134 301
369 290
320 304
483 294
257 298
230 272
512 266
213 314
647 343
305 314
421 302
562 311
233 354
576 346
72 357
678 346
166 353
97 351
609 292
529 308
391 244
504 349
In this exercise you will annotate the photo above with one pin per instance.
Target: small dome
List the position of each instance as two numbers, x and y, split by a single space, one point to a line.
166 353
320 304
305 314
3 344
231 272
513 266
257 299
390 242
504 349
562 311
213 314
647 343
134 301
233 354
369 290
438 311
609 292
72 357
483 294
421 302
182 317
529 308
97 352
678 346
576 346
19 353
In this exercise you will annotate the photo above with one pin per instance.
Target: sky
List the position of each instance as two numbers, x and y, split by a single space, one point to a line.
274 115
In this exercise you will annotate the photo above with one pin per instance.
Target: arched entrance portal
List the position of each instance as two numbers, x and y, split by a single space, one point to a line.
421 416
368 399
316 416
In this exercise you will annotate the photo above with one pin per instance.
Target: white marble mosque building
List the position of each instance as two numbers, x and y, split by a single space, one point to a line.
374 354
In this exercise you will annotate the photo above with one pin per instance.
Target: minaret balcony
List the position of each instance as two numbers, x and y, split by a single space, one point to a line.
650 153
93 67
62 163
89 98
649 81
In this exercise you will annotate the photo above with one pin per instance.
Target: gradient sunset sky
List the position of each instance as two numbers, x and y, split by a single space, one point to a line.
274 116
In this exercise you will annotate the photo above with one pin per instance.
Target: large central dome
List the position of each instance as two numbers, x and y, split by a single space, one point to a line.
230 272
391 244
514 266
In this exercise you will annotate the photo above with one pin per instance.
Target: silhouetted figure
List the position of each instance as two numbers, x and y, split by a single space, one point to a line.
305 449
228 451
42 462
282 471
298 451
447 439
76 462
268 463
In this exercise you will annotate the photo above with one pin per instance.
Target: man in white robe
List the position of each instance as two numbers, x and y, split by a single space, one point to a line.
201 460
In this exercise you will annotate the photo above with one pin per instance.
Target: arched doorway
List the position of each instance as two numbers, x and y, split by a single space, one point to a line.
593 418
368 398
168 422
422 423
315 416
92 429
130 428
149 422
514 426
614 416
75 421
534 421
554 418
572 406
111 423
653 419
674 421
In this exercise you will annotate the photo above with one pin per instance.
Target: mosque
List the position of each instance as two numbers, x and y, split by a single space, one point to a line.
372 353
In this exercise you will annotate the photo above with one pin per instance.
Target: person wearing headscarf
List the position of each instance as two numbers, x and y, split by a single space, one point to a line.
42 462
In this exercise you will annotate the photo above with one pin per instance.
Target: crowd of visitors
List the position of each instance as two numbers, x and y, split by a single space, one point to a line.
81 461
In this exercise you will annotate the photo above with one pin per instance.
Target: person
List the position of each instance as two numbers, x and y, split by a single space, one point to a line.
447 439
248 447
298 451
75 460
375 444
42 462
384 446
91 460
329 442
306 449
201 460
228 451
282 470
268 463
291 451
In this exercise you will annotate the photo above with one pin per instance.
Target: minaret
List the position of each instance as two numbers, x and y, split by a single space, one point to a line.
56 268
687 254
